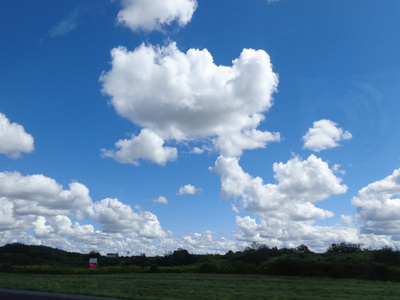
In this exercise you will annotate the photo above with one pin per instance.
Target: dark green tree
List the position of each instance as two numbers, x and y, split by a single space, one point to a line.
303 248
388 256
344 248
179 257
94 254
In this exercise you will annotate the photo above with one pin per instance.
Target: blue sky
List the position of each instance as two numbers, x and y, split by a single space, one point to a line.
147 126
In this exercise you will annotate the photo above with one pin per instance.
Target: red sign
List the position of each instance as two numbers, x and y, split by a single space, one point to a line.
92 263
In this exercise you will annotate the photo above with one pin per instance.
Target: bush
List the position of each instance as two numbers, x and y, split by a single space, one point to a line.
387 256
5 267
208 268
154 269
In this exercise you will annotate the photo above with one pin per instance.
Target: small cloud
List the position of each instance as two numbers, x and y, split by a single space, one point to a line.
348 220
197 150
66 24
62 28
76 16
234 208
14 139
147 145
324 134
204 148
161 200
336 169
188 189
151 15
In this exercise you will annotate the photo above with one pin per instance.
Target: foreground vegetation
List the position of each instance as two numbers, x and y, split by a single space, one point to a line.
339 261
334 274
202 286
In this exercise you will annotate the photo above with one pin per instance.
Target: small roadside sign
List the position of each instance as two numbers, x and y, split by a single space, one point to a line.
92 263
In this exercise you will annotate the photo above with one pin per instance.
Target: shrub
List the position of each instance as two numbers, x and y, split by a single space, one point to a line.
208 268
387 256
5 267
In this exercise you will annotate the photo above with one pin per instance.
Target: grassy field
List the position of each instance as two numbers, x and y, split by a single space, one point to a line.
202 286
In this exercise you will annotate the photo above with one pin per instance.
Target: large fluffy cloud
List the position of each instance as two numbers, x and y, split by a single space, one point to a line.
287 233
300 182
115 217
39 204
41 195
285 209
151 15
179 96
35 209
323 135
285 214
378 206
13 138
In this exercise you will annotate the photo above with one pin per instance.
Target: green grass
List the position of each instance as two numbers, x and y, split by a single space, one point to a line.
202 286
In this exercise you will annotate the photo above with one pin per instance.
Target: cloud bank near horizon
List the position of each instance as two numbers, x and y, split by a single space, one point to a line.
35 209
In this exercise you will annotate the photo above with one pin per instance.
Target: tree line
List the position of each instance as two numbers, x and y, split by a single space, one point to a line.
340 260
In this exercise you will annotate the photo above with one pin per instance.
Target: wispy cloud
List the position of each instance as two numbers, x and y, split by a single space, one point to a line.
76 16
66 24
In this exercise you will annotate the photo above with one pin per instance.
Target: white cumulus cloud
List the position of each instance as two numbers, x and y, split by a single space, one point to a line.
188 189
285 213
39 204
284 233
300 183
148 15
324 134
197 150
161 200
41 195
177 96
148 145
13 138
378 206
114 216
